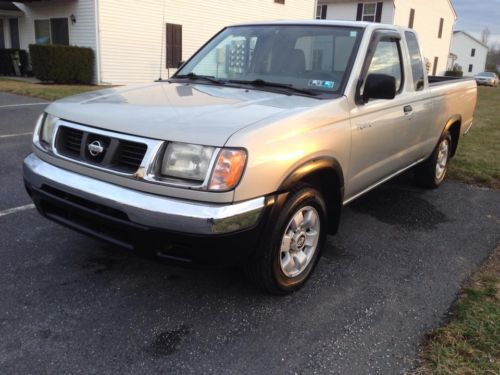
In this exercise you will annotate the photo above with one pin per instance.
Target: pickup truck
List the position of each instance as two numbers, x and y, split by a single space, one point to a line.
248 153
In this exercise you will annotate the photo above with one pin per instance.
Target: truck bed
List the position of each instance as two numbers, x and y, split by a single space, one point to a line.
442 80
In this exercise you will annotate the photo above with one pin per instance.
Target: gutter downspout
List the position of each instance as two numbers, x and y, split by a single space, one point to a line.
97 42
315 9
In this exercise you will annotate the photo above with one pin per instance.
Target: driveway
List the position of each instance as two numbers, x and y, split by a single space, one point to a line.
70 304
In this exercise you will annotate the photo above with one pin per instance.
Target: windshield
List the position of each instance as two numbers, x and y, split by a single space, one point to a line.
313 58
487 74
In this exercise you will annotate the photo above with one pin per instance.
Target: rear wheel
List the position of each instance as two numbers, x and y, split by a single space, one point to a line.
291 248
432 172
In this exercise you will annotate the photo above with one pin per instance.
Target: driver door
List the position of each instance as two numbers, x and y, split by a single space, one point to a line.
381 129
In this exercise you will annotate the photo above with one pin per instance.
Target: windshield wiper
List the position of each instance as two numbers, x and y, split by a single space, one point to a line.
262 83
194 76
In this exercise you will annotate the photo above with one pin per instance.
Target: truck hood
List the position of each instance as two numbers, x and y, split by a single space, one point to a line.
192 113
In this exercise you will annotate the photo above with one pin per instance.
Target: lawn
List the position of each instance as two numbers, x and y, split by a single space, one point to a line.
470 343
43 91
478 157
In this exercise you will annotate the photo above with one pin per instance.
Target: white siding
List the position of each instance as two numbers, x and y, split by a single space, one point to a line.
82 33
347 11
427 18
462 45
131 31
426 22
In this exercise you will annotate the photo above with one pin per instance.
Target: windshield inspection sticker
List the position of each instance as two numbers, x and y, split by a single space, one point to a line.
322 84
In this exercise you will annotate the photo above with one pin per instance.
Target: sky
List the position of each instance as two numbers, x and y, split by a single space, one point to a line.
475 15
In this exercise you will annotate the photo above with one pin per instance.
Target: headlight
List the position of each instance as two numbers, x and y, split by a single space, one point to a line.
186 161
228 169
46 132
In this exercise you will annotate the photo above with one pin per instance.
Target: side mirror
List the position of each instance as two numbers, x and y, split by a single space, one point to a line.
379 86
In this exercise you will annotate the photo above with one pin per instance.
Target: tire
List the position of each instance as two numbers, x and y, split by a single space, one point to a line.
432 172
280 270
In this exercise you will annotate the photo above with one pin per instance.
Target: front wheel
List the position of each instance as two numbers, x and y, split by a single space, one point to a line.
291 247
432 172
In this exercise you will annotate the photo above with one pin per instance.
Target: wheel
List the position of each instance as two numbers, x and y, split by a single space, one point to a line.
291 248
432 172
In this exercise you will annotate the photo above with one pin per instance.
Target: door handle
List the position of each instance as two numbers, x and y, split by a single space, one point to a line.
408 109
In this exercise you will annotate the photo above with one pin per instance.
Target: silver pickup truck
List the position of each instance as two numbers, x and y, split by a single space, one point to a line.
249 151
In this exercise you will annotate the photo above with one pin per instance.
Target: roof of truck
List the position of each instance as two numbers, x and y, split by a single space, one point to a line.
322 22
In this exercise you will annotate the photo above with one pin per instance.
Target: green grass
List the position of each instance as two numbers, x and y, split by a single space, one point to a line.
470 343
478 157
43 91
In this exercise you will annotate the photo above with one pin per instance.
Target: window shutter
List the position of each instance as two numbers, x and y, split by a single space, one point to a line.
359 15
174 45
441 23
412 18
434 69
378 16
323 11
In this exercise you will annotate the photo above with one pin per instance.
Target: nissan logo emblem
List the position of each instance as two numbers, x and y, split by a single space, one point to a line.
95 148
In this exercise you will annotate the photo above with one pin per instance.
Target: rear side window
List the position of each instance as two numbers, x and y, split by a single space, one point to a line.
417 66
387 60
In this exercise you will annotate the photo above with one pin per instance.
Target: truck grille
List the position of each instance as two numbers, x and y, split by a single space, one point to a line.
70 141
100 150
129 155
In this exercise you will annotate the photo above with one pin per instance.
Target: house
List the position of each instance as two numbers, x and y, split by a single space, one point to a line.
432 19
135 41
9 28
470 53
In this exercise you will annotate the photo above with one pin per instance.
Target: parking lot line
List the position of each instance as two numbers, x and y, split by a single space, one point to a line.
21 105
16 209
15 135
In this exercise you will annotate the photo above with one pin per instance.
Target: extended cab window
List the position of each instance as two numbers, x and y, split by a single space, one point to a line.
417 65
387 60
313 58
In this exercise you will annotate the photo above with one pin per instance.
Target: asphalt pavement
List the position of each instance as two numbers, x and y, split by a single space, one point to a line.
71 304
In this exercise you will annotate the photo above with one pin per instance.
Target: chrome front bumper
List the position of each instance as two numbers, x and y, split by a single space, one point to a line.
147 209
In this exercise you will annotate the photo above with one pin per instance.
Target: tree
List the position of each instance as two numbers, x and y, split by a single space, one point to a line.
485 35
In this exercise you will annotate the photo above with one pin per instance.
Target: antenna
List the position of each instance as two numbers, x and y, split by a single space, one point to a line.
162 39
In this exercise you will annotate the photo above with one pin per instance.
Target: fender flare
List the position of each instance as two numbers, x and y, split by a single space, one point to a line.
334 202
311 166
452 121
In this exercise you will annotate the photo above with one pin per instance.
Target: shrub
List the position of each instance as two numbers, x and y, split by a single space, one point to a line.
454 73
6 58
62 64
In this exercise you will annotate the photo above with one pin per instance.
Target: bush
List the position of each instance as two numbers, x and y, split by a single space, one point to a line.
6 58
454 73
62 64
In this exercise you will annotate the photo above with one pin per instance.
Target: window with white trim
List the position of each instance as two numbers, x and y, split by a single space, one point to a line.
321 12
369 12
52 31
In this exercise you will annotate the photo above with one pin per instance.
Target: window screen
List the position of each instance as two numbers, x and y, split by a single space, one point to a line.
42 31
